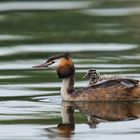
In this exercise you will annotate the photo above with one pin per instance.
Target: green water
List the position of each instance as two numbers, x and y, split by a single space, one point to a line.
102 34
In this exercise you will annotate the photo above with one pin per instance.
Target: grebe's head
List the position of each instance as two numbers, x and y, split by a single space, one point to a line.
62 63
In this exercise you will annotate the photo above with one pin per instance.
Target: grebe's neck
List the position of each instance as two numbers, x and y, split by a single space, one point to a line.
67 86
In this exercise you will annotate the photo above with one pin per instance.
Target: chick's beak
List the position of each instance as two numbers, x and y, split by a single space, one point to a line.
44 65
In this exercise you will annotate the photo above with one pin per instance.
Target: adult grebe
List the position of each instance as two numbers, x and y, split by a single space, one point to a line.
114 89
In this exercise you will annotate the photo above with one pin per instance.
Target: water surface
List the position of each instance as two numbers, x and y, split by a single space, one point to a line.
102 34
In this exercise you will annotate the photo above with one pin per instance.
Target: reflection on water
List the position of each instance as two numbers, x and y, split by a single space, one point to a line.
96 113
66 128
101 34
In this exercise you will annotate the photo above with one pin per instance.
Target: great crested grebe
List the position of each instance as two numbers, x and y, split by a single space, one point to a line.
113 89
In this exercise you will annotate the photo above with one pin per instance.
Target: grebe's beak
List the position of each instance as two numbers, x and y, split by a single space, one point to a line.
44 65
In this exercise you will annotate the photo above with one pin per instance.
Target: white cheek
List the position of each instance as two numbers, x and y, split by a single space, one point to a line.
54 65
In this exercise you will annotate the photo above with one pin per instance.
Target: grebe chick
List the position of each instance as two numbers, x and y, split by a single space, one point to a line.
94 76
115 89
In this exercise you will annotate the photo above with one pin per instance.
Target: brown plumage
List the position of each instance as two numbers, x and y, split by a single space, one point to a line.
95 112
109 111
113 89
66 128
65 68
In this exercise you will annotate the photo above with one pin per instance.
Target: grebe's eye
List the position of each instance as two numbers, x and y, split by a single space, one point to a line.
53 62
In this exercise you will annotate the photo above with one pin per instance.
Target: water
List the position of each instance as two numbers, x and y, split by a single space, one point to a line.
102 34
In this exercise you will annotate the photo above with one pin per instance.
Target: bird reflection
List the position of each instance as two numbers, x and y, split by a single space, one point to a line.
96 112
66 128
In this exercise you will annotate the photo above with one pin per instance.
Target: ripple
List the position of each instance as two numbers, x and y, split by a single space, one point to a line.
111 31
13 37
11 76
107 65
24 64
14 91
106 70
134 57
89 60
2 17
23 132
37 85
26 107
113 11
65 47
42 5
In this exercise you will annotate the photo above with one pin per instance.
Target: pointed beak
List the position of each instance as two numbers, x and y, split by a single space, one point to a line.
44 65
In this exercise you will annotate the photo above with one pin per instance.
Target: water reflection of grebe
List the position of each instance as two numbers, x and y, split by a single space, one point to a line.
66 128
96 113
112 89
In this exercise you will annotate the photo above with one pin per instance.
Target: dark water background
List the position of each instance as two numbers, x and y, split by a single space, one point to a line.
103 34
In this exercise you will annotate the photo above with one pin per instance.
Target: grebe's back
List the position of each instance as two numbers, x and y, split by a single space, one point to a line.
110 90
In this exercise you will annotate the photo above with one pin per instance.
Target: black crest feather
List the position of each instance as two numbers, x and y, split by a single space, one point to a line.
65 55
